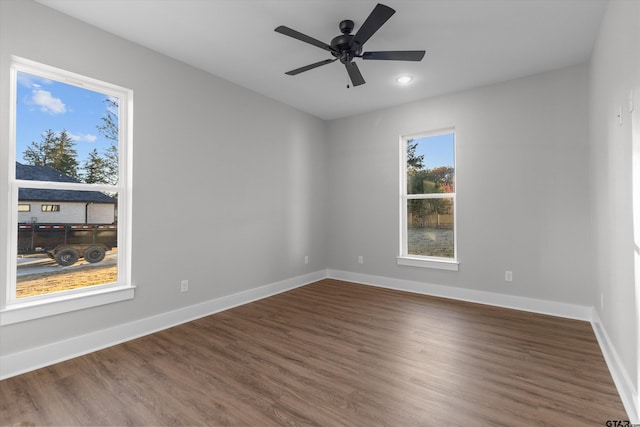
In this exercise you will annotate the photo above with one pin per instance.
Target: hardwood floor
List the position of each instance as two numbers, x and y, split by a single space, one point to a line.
333 354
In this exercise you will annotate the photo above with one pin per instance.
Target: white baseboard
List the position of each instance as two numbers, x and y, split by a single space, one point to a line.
553 308
39 357
626 390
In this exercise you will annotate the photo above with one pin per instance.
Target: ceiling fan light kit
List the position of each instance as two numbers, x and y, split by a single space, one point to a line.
346 46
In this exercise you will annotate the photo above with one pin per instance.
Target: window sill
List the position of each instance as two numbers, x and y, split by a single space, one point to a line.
429 263
24 311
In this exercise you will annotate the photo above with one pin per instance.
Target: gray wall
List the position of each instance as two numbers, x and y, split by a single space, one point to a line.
543 180
522 154
256 168
615 70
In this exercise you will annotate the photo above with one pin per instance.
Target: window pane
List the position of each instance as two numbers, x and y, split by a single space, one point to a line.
74 247
430 227
65 133
430 164
50 208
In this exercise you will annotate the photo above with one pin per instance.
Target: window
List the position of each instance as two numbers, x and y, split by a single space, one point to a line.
71 144
428 201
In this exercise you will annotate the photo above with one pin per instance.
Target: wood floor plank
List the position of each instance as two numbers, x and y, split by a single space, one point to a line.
333 353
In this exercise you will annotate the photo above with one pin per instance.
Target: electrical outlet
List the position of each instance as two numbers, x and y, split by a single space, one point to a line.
360 259
184 286
508 276
306 259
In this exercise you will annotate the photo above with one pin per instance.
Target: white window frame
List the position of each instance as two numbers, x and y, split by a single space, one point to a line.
404 258
17 310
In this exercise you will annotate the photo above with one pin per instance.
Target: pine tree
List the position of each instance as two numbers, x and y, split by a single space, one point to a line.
94 168
41 153
64 155
111 165
55 151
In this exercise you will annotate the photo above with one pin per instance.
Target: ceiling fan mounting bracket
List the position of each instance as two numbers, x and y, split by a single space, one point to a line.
346 26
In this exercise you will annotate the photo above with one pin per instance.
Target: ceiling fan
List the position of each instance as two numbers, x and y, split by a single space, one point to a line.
346 46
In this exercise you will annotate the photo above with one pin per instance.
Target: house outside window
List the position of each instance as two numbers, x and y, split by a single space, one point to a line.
428 201
70 155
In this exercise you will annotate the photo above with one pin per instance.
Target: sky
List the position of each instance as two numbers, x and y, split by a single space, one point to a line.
438 150
45 104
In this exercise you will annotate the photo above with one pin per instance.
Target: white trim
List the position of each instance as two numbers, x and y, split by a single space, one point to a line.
29 360
77 186
626 390
12 193
441 264
553 308
64 76
52 304
431 196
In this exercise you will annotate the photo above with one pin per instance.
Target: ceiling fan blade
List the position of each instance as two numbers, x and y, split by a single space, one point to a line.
302 37
354 74
395 55
379 15
310 67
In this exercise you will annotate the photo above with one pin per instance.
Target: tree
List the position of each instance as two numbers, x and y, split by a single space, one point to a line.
94 168
414 163
443 176
56 151
109 129
40 153
111 165
64 155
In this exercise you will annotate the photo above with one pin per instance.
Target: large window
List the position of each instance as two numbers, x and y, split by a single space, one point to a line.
428 201
70 154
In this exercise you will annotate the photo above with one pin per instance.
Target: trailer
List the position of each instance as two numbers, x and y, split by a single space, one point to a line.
67 243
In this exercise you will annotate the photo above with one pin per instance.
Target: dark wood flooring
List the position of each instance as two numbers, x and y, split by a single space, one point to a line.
333 354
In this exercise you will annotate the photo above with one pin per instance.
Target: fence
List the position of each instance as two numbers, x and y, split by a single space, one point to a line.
432 221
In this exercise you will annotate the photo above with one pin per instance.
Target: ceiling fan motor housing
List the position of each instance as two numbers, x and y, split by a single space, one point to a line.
342 44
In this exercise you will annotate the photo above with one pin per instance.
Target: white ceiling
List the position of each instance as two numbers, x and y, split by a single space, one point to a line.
469 43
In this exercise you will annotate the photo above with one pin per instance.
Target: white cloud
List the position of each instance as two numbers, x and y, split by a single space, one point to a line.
31 81
47 102
86 137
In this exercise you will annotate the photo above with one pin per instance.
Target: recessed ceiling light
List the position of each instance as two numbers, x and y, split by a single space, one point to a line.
404 80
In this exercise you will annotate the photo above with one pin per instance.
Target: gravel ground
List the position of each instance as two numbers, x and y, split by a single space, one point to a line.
431 242
37 284
37 274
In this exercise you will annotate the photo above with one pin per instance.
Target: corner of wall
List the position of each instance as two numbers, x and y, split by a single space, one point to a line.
621 378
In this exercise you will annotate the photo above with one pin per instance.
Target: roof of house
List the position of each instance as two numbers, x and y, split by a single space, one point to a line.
47 173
